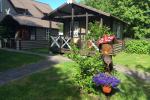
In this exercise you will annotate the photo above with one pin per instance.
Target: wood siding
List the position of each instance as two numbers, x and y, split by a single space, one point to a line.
40 34
33 44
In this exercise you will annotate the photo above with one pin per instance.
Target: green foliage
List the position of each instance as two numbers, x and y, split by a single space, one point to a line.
97 31
2 31
138 46
6 32
135 12
88 67
104 5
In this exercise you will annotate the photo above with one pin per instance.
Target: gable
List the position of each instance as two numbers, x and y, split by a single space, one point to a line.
44 8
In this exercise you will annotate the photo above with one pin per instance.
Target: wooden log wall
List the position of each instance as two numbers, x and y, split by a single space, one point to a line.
33 44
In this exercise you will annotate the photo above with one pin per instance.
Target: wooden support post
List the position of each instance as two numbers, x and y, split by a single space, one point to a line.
49 41
80 42
0 43
87 22
101 22
72 21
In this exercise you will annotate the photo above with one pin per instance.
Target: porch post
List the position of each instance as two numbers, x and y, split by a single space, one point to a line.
0 43
72 21
101 22
87 22
49 41
18 44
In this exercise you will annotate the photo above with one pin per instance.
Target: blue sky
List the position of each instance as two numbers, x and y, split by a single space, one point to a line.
53 3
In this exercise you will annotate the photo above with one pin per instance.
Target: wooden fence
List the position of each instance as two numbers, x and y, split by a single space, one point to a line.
62 44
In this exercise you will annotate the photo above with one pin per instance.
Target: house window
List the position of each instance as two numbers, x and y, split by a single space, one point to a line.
118 29
32 33
76 29
1 6
48 34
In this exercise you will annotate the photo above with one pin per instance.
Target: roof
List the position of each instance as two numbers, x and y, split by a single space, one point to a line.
31 21
80 8
35 8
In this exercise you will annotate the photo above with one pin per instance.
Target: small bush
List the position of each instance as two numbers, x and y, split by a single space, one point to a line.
138 46
89 66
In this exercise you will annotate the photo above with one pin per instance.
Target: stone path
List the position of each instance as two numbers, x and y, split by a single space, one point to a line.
26 70
145 76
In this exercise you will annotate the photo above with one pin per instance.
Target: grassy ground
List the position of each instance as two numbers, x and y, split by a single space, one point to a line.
40 50
9 60
133 61
57 83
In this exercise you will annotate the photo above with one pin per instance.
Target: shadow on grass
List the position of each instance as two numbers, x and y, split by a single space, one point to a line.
143 68
53 84
135 89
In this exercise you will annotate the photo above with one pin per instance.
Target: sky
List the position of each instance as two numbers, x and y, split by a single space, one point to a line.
54 3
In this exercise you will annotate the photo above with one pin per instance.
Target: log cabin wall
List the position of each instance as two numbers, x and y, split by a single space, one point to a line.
24 45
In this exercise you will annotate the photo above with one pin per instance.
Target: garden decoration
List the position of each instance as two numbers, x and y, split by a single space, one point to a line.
106 80
106 50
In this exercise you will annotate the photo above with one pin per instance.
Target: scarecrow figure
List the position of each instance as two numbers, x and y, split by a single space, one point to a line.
105 45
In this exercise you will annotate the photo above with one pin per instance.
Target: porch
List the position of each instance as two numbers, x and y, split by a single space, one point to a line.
75 19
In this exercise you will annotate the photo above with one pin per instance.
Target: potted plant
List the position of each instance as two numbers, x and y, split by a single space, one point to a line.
106 81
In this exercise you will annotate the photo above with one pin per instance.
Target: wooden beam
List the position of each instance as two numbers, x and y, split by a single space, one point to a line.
72 21
84 15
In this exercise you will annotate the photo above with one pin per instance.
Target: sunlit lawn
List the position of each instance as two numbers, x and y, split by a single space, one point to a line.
58 83
133 61
10 60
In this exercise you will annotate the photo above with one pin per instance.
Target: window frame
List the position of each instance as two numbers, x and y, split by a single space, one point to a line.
1 6
32 31
48 31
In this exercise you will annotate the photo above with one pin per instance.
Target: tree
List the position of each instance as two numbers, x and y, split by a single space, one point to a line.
135 12
104 5
6 32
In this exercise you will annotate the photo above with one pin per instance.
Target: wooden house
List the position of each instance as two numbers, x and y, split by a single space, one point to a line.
76 17
23 18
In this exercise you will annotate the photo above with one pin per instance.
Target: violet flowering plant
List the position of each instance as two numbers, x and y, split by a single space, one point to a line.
106 80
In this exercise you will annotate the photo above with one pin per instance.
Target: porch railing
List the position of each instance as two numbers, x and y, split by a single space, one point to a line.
60 43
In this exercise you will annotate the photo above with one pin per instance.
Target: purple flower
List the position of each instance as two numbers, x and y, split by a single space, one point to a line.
104 79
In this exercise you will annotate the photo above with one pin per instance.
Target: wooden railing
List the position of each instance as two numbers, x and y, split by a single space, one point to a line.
60 43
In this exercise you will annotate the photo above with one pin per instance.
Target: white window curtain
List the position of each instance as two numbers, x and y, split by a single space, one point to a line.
76 29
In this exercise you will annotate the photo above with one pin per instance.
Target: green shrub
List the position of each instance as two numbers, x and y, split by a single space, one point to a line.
97 30
88 67
138 46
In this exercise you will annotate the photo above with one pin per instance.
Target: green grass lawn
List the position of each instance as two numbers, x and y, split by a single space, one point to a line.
40 50
9 60
57 83
133 61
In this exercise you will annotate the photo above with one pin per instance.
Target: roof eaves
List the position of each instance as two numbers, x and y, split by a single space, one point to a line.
119 19
92 9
